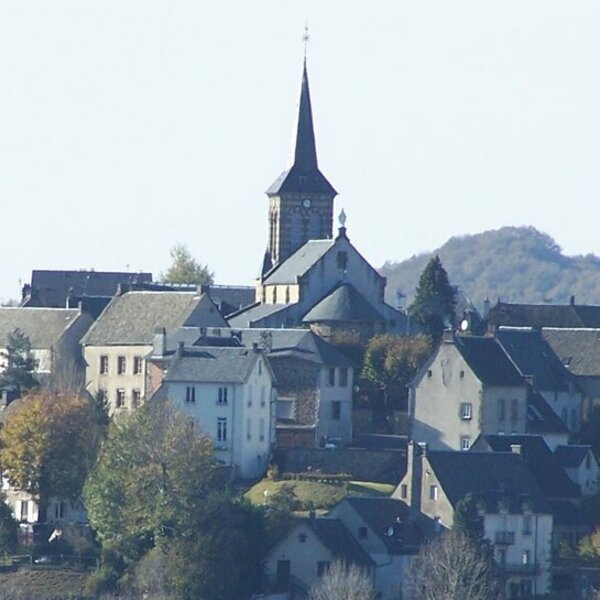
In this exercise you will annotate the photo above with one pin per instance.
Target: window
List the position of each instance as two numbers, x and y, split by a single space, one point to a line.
527 525
429 373
343 377
362 533
433 492
260 367
136 396
262 396
222 395
59 510
24 512
462 374
465 443
331 376
322 567
526 557
190 394
103 364
120 402
465 411
403 491
261 425
221 429
336 410
121 365
342 260
137 365
501 409
248 428
284 569
302 538
514 410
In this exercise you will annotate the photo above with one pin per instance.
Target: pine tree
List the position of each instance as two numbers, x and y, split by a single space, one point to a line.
435 300
19 364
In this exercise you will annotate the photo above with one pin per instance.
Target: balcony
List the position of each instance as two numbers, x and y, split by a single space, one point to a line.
521 568
505 538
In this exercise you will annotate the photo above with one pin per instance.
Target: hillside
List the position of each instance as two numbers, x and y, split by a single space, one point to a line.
516 264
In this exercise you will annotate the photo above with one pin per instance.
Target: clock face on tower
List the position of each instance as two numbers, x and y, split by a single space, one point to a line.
306 202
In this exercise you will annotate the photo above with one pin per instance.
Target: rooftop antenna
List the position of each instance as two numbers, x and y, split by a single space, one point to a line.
305 39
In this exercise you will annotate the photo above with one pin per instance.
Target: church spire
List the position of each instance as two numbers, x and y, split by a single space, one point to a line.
302 174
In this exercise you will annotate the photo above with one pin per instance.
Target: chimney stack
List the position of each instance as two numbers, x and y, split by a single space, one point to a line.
159 345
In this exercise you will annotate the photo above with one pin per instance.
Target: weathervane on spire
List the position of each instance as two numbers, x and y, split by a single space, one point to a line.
305 39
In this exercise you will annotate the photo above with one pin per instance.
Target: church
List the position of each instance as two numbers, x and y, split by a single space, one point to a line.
309 278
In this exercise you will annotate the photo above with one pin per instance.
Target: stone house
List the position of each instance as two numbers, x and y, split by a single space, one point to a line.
314 386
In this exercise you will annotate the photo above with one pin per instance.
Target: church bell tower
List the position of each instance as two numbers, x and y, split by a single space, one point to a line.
301 198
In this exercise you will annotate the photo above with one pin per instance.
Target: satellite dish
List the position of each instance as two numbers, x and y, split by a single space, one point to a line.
464 325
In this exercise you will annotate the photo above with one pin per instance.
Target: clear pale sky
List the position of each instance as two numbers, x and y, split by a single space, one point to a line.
127 126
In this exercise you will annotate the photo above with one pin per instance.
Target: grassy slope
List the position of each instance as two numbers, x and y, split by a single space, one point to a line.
322 495
40 583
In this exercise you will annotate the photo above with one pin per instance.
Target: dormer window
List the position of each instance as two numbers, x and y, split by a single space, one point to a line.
342 260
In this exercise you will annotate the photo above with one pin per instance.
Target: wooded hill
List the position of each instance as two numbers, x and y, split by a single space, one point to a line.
515 264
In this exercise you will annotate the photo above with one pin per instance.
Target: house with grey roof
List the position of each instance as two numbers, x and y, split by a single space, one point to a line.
116 345
314 384
54 335
581 466
297 562
229 393
389 533
536 361
467 387
517 520
55 289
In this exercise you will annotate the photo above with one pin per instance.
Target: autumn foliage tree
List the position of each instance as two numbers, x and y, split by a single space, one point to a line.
48 444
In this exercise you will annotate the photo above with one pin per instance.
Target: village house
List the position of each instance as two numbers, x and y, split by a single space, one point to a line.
116 345
54 335
314 386
228 391
516 518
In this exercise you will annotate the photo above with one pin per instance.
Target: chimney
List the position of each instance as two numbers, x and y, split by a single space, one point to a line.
572 301
203 288
517 449
159 344
448 336
180 346
255 347
486 308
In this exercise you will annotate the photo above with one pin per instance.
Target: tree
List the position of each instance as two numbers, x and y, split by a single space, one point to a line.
467 520
185 269
48 444
392 361
435 300
9 528
19 363
343 582
452 567
157 488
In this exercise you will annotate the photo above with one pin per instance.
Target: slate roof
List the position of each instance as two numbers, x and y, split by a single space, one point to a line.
130 319
296 265
578 349
345 303
51 288
571 457
544 466
566 513
490 476
390 520
540 416
534 356
212 364
488 361
339 541
301 343
247 316
43 326
304 174
544 315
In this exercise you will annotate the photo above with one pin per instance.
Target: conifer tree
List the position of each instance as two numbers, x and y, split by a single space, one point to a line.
19 364
435 300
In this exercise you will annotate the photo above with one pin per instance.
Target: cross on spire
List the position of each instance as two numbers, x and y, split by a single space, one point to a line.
305 39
